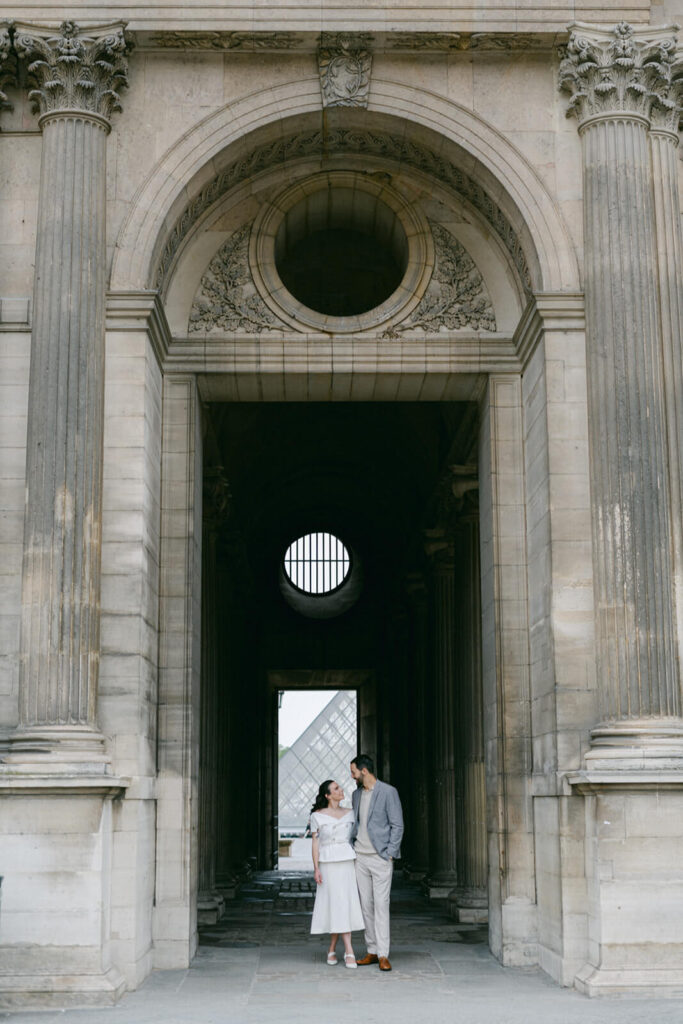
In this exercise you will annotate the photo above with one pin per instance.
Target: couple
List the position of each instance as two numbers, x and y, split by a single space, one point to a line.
369 835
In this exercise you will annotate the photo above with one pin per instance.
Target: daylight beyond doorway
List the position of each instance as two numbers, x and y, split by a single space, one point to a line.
317 737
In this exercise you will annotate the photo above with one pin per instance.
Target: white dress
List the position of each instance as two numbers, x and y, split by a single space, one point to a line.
337 904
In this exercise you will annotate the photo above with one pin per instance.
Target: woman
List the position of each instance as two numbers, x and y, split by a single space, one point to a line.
337 905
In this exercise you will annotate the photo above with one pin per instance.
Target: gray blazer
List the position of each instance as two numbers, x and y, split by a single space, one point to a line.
385 820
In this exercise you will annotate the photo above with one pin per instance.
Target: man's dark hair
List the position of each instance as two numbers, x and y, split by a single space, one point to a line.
362 761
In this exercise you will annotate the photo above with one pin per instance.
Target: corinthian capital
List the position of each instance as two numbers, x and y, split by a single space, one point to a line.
74 68
619 70
8 63
667 107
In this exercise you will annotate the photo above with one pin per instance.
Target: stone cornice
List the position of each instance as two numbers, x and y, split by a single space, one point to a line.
621 70
73 69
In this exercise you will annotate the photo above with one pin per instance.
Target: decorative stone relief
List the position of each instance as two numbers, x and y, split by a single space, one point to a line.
216 497
457 495
8 64
667 107
618 70
342 140
240 41
227 299
75 69
445 42
456 296
344 65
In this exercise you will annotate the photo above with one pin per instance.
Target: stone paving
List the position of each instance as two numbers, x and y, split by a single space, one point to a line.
260 965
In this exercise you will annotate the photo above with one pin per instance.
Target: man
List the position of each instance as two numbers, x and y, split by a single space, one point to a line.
376 836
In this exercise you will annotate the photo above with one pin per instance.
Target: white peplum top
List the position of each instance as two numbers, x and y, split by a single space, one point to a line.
333 836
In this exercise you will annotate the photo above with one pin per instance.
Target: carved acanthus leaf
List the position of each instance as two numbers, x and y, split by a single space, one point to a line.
621 70
8 64
667 107
75 69
394 148
344 65
456 296
227 299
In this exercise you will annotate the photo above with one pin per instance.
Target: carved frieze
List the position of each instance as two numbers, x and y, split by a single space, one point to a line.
227 299
344 64
456 296
8 64
620 70
387 147
236 41
75 69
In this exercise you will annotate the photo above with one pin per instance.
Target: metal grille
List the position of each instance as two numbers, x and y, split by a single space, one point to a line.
317 563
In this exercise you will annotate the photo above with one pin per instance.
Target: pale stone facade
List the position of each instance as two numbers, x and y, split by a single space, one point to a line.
514 405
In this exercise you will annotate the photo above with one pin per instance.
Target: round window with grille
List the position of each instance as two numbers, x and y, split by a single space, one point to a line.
317 563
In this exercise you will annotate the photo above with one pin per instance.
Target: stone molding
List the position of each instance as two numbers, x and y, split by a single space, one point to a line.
128 311
548 311
75 70
344 66
623 71
13 783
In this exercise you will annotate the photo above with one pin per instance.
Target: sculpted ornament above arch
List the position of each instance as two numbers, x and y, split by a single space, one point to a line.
455 296
390 150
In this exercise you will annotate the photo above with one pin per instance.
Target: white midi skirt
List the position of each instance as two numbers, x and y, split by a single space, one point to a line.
337 904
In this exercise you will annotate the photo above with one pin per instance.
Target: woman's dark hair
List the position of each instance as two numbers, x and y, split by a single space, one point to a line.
321 799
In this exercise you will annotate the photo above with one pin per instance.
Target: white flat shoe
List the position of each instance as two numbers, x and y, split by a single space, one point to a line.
350 961
332 959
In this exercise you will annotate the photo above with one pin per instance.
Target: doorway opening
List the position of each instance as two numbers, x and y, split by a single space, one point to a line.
317 737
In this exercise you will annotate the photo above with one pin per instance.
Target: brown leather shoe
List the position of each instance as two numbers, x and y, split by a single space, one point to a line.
384 964
369 958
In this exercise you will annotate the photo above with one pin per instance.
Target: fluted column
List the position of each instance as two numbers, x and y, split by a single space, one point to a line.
76 75
612 74
469 899
442 808
417 837
664 120
216 501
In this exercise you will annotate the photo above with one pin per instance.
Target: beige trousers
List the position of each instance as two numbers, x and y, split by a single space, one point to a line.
374 875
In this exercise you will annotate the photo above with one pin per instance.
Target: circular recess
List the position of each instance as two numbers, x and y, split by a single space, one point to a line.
317 563
341 252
